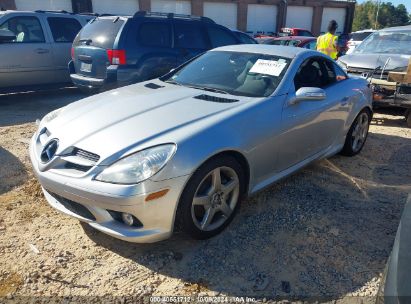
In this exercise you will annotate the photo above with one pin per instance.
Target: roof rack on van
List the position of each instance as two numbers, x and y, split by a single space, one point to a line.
171 15
88 14
58 12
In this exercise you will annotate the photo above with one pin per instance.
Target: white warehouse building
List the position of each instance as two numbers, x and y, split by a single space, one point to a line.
245 15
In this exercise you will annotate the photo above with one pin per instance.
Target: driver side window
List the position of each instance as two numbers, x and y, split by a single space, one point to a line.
27 29
315 72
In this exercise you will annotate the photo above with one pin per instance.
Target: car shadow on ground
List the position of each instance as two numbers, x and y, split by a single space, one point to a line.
12 171
397 118
20 108
323 232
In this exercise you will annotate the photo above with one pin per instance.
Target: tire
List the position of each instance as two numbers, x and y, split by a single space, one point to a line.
408 118
203 194
357 135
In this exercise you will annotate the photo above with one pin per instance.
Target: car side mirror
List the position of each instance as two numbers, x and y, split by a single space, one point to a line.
308 93
7 36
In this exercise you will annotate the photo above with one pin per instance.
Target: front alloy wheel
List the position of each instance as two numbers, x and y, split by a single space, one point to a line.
357 135
211 197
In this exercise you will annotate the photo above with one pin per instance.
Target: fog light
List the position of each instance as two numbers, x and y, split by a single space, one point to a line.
128 219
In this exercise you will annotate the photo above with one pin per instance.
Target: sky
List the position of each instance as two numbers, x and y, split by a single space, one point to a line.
407 3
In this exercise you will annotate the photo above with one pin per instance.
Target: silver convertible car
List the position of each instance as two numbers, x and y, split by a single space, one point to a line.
183 150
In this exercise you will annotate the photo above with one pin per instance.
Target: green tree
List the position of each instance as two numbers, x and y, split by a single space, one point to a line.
388 15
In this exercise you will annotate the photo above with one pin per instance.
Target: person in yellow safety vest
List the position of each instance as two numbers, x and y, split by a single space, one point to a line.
327 43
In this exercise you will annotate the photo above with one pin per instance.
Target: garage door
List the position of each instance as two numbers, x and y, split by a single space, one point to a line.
222 13
120 7
32 5
299 16
261 18
171 6
332 13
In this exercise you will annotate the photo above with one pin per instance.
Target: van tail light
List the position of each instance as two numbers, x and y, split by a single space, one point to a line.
116 57
72 53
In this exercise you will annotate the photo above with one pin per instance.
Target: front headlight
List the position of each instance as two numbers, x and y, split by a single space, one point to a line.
139 166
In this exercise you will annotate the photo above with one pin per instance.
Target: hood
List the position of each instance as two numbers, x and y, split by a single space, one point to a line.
118 120
372 61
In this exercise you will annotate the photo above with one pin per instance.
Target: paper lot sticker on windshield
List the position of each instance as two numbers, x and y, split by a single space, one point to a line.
268 67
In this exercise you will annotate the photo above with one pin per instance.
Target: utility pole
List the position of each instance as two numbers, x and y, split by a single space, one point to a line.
376 14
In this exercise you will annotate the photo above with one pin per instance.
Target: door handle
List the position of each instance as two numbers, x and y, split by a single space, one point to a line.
42 51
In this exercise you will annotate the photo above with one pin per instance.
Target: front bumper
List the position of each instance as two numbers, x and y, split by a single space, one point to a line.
96 206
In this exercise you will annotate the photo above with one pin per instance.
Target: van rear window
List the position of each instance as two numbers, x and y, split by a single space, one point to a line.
101 32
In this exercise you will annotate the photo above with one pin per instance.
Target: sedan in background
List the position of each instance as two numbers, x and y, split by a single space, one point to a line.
184 149
294 31
299 41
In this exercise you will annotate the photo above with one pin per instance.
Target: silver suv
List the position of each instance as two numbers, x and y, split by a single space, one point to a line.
35 48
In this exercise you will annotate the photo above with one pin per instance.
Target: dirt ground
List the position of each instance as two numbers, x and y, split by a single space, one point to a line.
323 233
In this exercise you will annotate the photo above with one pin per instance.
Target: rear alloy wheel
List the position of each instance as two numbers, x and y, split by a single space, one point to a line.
357 135
211 198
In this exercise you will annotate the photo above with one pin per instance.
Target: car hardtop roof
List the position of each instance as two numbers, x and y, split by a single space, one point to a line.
397 28
141 14
363 31
294 28
45 12
304 38
265 49
144 14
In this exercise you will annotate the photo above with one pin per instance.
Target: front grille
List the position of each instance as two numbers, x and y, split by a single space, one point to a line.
85 154
367 72
74 207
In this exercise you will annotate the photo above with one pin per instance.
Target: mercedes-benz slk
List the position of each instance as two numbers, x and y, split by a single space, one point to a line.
184 149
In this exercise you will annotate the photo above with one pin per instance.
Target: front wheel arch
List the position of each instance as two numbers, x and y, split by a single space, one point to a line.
347 149
235 155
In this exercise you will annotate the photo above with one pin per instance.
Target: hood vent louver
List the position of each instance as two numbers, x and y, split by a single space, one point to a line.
215 98
153 86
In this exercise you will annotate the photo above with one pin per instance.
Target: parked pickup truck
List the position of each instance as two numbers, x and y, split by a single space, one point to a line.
35 48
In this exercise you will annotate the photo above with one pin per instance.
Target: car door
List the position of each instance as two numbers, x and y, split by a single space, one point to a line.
190 40
63 30
27 60
310 127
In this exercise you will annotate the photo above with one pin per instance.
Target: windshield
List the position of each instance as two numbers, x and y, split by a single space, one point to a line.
242 74
386 42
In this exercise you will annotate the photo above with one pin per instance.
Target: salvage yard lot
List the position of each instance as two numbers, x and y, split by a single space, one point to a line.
324 232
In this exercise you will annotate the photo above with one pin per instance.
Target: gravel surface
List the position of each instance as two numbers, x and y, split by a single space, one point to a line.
325 232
